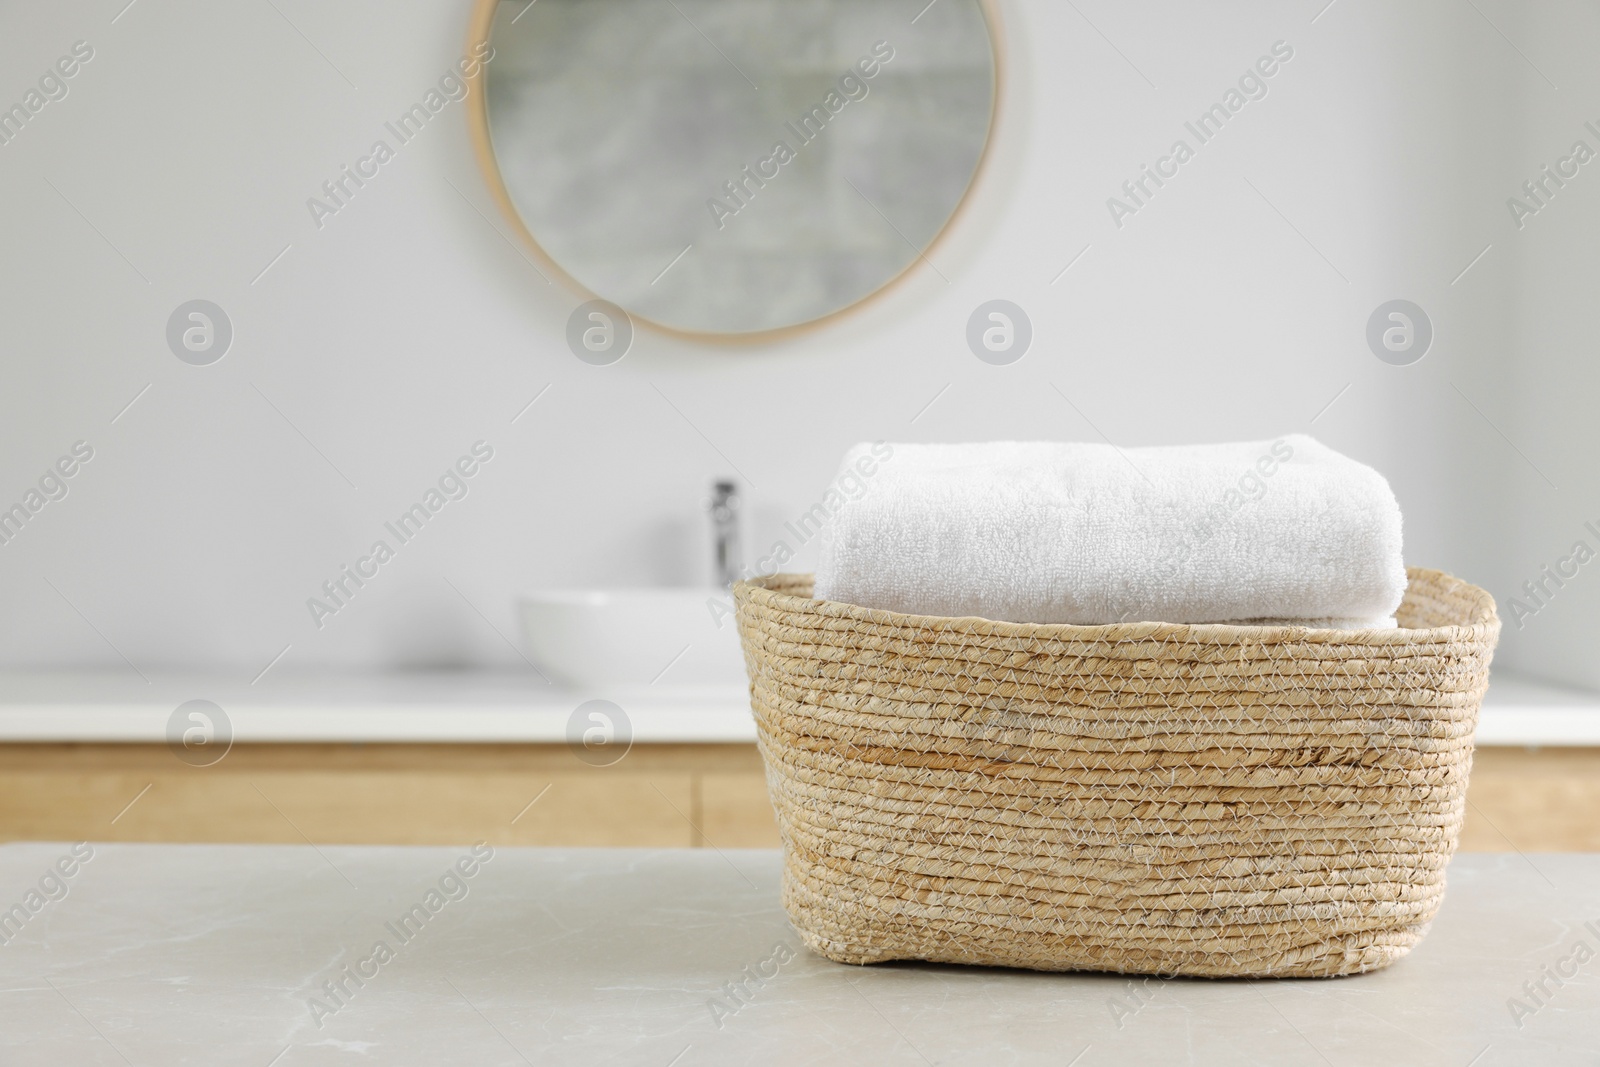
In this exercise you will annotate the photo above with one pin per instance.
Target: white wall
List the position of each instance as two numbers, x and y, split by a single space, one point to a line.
407 328
1555 491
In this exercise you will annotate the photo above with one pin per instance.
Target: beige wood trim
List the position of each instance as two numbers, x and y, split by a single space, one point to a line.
349 807
1533 800
478 31
735 811
377 794
1527 800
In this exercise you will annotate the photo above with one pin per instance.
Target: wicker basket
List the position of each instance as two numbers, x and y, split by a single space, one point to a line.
1146 798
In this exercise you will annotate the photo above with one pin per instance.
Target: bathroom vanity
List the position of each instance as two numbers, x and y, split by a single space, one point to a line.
398 759
447 758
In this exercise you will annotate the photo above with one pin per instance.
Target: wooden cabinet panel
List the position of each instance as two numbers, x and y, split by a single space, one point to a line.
330 807
1533 800
670 796
384 794
736 811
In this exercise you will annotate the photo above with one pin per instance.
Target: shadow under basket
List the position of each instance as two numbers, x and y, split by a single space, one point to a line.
1149 798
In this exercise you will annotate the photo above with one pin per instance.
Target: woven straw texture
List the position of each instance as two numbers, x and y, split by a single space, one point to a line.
1147 798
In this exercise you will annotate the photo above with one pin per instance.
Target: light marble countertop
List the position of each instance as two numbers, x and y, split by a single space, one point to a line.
518 707
440 707
208 954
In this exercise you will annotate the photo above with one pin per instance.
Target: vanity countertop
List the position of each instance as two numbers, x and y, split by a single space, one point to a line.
219 955
487 707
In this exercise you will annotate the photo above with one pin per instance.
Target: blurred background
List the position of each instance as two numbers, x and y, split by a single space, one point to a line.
374 342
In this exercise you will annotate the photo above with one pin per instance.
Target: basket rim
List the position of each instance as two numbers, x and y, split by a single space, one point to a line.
1480 619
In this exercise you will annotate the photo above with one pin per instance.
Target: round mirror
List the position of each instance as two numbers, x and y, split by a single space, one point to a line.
734 166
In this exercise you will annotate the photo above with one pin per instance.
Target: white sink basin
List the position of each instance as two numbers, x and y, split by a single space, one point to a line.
613 638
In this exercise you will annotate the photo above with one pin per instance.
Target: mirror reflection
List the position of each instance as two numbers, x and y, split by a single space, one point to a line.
737 166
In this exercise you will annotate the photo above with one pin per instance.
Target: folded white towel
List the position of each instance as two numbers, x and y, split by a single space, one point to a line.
1089 533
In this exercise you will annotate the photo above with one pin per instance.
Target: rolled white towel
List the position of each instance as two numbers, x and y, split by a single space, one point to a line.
1088 533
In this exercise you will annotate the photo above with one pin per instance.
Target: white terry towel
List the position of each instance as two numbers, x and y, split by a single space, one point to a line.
1286 530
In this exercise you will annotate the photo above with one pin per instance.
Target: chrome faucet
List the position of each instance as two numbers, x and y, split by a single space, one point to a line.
727 559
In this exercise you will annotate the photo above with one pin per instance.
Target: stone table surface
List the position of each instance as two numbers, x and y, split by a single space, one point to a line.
164 955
